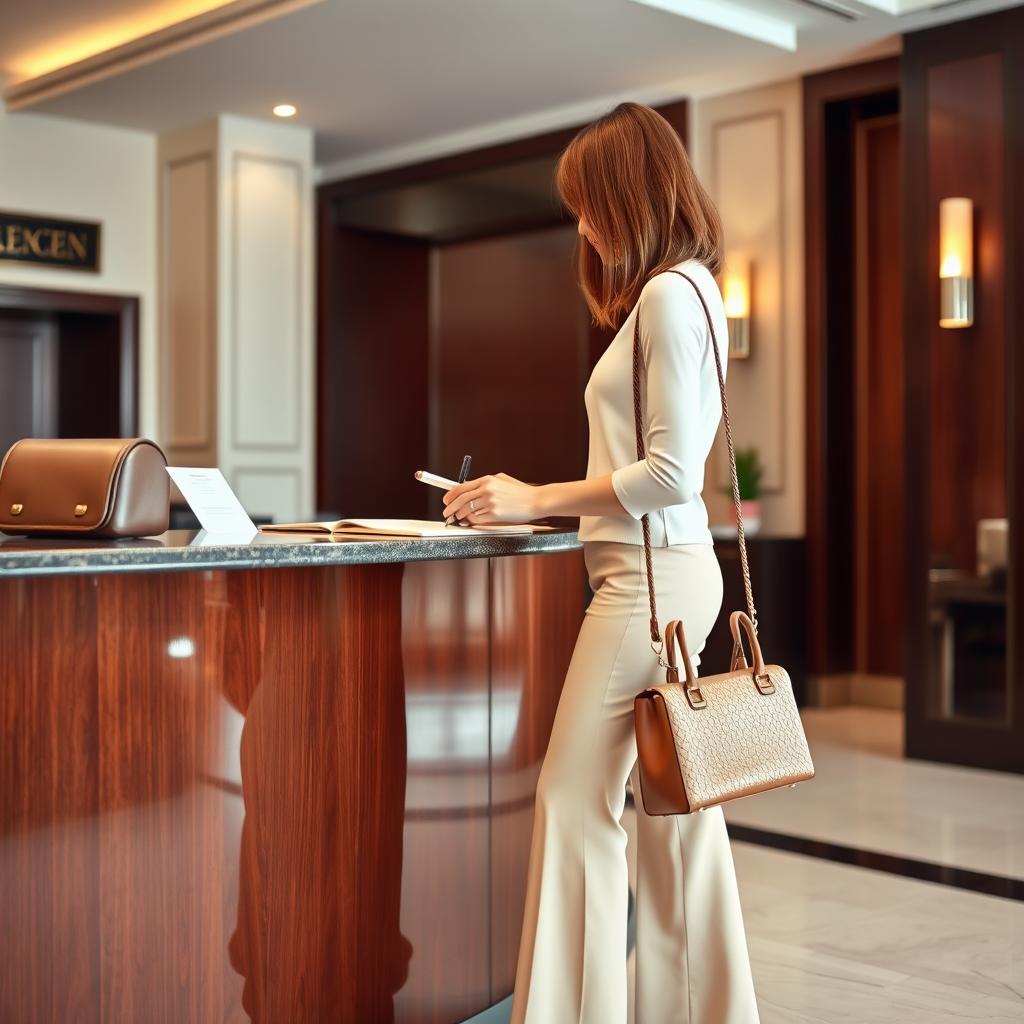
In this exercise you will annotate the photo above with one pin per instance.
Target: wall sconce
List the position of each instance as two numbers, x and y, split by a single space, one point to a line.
736 299
956 263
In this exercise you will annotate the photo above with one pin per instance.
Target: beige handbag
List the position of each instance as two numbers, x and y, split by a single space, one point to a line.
703 742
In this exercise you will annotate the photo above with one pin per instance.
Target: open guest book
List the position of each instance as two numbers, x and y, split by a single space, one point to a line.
401 528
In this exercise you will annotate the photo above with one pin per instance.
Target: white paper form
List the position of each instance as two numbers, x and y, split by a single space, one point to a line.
214 503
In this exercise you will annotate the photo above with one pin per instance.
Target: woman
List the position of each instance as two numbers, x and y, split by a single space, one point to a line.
641 211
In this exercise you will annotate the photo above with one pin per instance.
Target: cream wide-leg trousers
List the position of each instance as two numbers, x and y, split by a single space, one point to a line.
692 963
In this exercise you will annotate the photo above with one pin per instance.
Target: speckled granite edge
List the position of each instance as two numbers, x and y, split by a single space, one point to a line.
172 551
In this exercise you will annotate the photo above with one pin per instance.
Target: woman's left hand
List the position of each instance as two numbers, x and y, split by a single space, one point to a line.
497 498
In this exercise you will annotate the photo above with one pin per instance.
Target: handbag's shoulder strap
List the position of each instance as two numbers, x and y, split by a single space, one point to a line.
655 634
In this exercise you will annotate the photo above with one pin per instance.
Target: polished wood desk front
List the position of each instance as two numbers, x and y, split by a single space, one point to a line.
279 795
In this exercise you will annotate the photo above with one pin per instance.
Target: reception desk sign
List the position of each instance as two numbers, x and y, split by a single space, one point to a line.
49 242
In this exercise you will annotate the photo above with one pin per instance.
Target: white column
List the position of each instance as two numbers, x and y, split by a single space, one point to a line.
236 317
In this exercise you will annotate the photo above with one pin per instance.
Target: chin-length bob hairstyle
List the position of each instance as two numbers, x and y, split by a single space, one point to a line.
629 174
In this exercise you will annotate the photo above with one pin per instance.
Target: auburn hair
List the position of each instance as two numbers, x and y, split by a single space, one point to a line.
628 172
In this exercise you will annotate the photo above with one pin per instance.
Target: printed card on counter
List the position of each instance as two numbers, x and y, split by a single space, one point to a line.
215 505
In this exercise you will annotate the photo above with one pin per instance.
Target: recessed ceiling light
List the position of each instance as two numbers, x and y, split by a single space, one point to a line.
284 110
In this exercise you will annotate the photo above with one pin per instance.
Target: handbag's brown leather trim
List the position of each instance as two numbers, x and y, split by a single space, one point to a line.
661 784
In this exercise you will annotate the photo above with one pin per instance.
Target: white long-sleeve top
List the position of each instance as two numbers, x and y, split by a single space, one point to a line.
682 409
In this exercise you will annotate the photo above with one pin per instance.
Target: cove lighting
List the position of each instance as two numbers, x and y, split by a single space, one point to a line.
98 35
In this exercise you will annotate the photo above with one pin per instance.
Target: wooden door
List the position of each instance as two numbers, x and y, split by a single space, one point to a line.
878 401
28 377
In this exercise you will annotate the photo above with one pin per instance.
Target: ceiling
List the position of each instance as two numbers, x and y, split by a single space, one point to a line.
40 35
388 81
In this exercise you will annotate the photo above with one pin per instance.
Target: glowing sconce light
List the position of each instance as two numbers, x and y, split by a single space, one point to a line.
736 298
285 110
956 263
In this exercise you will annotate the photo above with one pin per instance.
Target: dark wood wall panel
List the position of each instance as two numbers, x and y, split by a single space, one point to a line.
473 252
963 102
509 341
372 371
967 367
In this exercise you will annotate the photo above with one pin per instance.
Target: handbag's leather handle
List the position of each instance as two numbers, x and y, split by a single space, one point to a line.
740 620
645 522
675 635
739 657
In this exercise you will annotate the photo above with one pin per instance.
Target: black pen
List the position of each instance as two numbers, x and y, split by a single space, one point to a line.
463 476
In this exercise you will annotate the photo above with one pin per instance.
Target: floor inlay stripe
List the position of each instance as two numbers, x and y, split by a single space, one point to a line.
909 867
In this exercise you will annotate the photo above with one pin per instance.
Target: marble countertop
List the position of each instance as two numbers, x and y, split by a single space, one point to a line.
179 550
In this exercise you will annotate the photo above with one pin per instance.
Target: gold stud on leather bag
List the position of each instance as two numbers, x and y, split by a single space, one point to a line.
82 487
702 742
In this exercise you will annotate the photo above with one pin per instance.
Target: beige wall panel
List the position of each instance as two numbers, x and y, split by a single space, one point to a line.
265 491
267 247
188 381
751 209
747 148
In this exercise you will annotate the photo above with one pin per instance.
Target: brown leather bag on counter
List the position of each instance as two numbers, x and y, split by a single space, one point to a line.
84 487
701 742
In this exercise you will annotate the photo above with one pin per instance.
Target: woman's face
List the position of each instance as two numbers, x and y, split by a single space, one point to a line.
587 232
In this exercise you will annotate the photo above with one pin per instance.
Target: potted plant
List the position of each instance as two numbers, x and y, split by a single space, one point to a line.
748 475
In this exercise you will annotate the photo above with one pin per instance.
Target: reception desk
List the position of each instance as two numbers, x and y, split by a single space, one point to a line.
278 782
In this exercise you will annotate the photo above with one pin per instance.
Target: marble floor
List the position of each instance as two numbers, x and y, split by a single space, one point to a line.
837 942
862 943
866 794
